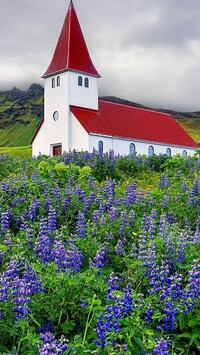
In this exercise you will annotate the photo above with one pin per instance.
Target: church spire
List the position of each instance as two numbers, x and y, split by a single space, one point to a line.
71 52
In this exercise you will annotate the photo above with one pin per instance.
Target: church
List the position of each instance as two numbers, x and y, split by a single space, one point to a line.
74 117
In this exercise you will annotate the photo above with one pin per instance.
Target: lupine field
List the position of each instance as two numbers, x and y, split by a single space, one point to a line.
100 255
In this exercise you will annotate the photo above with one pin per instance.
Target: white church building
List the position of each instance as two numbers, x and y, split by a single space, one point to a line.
74 117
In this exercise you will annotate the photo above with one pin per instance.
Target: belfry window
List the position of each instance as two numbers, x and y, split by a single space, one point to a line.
168 152
131 149
100 147
150 151
53 83
86 83
58 80
80 81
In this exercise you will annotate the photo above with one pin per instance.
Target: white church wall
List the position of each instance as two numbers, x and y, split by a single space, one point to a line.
79 138
122 146
80 95
38 144
56 99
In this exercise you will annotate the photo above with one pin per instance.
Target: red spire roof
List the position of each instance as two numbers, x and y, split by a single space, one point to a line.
71 51
133 123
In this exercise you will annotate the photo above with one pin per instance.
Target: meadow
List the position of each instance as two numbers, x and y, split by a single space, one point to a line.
99 254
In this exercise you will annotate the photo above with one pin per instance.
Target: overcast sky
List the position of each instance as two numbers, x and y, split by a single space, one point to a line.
147 51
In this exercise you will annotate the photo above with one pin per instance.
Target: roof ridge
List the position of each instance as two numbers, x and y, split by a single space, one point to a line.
138 108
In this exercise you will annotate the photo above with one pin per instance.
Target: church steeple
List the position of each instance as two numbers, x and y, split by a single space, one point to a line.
71 52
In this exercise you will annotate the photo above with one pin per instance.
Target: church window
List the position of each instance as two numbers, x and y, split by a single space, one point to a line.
53 83
86 83
184 153
131 149
58 80
151 150
80 81
168 152
100 147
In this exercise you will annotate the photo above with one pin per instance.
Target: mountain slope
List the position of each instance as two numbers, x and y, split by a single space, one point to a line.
21 112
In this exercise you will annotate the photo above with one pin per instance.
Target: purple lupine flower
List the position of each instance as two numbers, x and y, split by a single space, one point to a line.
5 220
133 251
131 196
161 348
100 258
96 216
119 307
163 226
180 249
195 187
57 193
184 186
48 204
145 222
43 247
131 218
140 196
91 182
170 217
74 259
123 223
193 292
29 236
190 201
52 220
20 281
113 213
164 181
148 315
169 311
119 248
165 200
81 226
80 193
58 254
33 209
49 345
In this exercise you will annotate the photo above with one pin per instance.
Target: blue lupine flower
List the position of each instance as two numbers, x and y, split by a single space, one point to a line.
100 258
81 226
49 345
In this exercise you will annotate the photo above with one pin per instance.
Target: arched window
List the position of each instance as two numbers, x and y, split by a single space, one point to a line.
86 83
184 153
100 147
151 150
131 149
53 83
168 152
80 81
58 80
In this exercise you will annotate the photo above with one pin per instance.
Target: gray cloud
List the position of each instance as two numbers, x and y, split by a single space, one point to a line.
146 51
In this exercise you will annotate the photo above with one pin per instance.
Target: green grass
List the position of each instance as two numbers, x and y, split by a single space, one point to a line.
16 151
191 126
18 134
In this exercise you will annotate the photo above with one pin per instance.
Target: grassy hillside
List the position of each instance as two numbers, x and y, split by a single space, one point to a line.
21 112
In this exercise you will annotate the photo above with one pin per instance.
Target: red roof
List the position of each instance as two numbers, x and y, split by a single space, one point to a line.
71 51
131 122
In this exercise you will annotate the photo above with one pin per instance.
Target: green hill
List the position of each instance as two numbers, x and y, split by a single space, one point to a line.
21 112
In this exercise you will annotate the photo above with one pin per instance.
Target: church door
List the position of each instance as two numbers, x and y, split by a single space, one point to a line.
57 150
